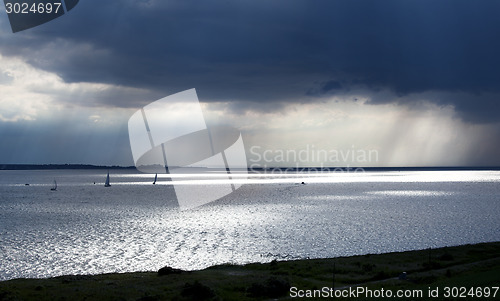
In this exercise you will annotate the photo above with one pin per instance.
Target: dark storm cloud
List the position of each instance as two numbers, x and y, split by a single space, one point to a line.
276 51
327 87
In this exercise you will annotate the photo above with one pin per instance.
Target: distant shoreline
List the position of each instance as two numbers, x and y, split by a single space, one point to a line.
58 166
289 169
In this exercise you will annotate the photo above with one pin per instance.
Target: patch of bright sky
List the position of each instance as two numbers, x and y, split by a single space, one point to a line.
28 93
349 130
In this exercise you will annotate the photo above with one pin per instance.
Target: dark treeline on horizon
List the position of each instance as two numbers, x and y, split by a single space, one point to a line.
58 166
259 170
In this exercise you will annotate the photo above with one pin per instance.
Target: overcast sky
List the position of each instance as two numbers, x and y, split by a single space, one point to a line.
416 81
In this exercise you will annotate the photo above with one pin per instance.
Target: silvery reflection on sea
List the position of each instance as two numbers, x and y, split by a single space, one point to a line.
84 228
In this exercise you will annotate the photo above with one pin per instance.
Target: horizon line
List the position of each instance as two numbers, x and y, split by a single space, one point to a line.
27 166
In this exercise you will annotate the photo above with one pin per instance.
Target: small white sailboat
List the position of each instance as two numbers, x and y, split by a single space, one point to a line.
54 187
107 181
156 177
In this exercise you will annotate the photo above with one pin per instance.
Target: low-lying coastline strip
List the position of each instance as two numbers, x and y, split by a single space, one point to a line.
471 266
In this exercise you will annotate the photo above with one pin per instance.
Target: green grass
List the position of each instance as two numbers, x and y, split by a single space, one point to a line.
468 266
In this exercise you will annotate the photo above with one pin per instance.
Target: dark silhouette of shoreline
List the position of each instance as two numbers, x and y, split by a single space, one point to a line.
289 169
58 166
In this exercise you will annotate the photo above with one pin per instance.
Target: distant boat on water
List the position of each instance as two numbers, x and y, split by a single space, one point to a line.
156 177
107 181
54 187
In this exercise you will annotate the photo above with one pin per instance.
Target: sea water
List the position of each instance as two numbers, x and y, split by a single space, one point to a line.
86 228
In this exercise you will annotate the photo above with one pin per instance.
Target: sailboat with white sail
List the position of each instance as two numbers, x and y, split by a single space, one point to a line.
107 181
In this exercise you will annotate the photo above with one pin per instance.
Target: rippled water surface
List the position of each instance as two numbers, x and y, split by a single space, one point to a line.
85 228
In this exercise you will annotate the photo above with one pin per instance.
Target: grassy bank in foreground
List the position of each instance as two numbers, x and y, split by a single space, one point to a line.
462 266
